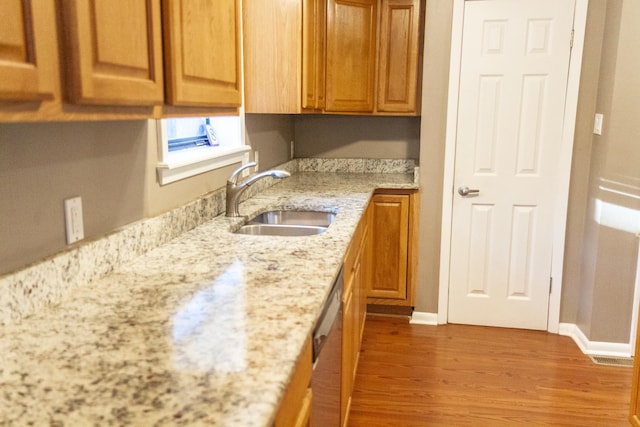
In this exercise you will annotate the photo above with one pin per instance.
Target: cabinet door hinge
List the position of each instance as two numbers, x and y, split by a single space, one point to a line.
571 40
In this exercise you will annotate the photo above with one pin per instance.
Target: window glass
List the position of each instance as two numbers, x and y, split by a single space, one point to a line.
192 145
189 132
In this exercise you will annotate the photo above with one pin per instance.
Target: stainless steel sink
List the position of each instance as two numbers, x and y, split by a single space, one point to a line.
288 223
280 230
287 217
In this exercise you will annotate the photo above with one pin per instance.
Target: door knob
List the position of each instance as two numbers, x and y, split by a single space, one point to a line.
465 191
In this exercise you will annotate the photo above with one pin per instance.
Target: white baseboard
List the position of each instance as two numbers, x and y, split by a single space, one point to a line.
596 348
421 318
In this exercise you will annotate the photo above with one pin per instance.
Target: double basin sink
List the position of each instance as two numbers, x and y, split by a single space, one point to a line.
288 223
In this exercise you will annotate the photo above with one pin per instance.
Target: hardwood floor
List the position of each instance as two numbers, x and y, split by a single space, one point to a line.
458 375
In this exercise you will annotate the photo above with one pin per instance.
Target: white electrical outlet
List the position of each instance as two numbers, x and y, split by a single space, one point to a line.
74 224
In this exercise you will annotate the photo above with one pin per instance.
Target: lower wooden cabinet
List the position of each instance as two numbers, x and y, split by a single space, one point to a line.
349 353
393 224
362 274
353 310
295 408
378 267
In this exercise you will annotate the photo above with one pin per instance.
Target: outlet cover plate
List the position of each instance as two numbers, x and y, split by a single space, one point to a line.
74 224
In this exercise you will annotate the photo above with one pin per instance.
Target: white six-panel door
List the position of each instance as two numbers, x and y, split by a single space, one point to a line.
513 82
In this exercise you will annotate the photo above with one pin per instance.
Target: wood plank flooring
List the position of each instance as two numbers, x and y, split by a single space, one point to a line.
458 375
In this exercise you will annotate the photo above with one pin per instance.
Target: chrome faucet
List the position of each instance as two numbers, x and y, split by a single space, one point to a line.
235 190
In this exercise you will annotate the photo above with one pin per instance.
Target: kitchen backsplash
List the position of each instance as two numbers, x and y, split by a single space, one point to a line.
47 282
356 165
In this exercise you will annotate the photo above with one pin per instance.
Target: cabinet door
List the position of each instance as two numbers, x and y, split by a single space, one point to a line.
114 51
271 39
202 64
25 33
364 272
358 296
314 16
389 240
398 56
295 407
348 351
351 55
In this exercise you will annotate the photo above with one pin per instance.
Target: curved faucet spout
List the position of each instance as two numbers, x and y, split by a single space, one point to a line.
278 174
234 175
235 190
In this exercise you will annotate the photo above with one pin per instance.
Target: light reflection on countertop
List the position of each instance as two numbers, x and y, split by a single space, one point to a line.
215 312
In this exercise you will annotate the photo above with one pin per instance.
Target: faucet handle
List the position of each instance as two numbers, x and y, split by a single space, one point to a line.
234 176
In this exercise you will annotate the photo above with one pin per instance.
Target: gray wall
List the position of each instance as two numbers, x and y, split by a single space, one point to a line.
435 84
612 208
572 290
111 165
271 136
330 136
41 164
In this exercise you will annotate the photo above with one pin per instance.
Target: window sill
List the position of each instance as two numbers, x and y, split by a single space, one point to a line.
193 162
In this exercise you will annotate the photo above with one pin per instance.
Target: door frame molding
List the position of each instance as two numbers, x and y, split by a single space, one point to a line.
565 155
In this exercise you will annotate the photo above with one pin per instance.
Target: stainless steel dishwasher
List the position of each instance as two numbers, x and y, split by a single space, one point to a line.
327 360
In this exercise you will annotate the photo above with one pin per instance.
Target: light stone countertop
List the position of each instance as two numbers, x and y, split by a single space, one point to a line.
204 330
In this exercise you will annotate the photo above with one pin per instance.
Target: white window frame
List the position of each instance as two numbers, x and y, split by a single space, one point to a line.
177 165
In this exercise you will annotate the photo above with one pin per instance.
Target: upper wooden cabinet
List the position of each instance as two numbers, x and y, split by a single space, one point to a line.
399 56
111 58
25 41
272 55
361 78
335 56
351 55
283 55
114 51
202 60
373 56
314 18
